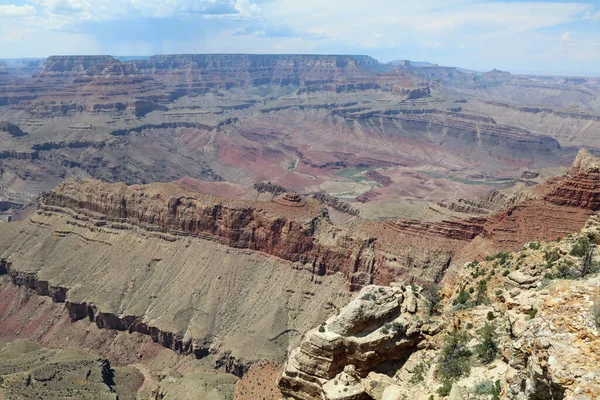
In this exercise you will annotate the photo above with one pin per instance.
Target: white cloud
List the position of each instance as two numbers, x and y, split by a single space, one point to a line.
403 21
594 17
431 45
60 13
13 11
565 37
247 9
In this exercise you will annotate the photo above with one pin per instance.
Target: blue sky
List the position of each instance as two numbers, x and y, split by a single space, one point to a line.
551 37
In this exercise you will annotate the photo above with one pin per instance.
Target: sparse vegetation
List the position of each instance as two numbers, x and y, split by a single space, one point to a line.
487 348
489 388
463 300
455 357
445 389
535 246
397 327
419 372
533 313
581 247
368 296
482 289
596 312
551 257
434 298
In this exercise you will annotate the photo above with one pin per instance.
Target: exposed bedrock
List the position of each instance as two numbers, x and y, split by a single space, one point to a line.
190 295
298 232
463 129
581 188
11 129
381 326
214 71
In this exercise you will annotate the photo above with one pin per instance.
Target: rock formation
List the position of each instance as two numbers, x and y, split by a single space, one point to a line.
382 325
541 312
289 227
582 186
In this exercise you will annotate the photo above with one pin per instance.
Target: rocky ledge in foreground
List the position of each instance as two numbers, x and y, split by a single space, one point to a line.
379 329
522 325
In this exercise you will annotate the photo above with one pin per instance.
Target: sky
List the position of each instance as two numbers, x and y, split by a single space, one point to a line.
542 37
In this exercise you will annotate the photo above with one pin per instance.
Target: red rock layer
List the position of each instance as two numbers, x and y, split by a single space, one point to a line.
291 228
581 190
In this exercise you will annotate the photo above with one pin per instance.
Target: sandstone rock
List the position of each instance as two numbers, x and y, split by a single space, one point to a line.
345 386
514 292
518 278
375 384
371 330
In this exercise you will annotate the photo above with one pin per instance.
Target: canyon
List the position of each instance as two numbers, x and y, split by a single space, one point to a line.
231 224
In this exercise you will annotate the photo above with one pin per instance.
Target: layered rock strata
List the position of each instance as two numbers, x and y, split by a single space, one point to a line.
582 187
380 326
289 227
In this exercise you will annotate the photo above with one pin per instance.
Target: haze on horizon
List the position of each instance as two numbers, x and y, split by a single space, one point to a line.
541 37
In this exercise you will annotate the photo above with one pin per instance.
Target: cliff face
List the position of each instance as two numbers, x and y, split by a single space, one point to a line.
191 295
582 187
202 72
291 228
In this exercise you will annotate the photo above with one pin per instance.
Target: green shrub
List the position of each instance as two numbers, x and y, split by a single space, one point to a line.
506 272
434 298
581 247
398 327
551 257
533 313
482 289
596 312
487 348
535 246
490 316
322 328
419 372
463 300
489 388
454 361
445 389
563 271
368 296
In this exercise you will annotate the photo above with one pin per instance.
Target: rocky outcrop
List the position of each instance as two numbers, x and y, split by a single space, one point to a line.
464 230
379 178
582 187
493 202
541 341
379 326
28 370
335 203
11 129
